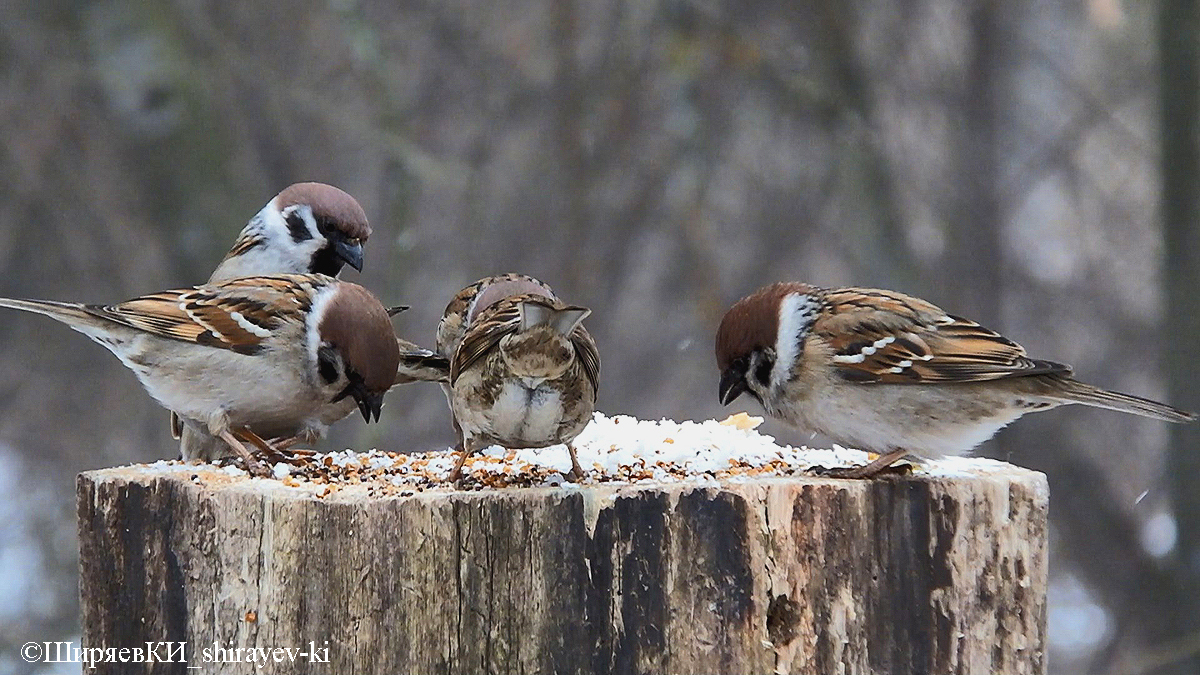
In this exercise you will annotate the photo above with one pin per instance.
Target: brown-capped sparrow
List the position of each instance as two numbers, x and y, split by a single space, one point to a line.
889 373
256 358
314 228
523 371
309 228
453 324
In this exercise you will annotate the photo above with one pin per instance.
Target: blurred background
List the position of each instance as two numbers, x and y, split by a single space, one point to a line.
1033 165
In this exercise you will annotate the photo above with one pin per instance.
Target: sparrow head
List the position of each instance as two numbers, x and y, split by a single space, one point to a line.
506 286
309 228
328 217
356 350
761 337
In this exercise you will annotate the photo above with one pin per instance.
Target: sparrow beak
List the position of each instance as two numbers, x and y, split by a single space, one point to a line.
351 253
368 405
733 385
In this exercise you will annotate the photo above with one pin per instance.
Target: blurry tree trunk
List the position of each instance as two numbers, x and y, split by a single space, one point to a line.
974 269
1179 45
877 246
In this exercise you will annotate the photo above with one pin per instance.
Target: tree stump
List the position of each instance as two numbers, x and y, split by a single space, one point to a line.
916 574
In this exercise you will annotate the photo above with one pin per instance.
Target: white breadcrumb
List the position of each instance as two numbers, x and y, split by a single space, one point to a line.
617 449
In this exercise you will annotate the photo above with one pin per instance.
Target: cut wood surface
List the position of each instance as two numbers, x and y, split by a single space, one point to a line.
926 573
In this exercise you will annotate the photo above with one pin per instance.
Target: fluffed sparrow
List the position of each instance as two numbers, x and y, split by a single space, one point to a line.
256 358
889 373
523 371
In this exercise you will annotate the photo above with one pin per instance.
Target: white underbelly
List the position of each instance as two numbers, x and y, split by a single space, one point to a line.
243 387
882 418
521 415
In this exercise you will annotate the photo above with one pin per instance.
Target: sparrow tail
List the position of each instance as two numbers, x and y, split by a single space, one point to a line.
69 313
420 365
562 320
1078 392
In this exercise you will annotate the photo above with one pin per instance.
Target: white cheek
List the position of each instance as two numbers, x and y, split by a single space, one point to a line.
797 312
284 253
312 323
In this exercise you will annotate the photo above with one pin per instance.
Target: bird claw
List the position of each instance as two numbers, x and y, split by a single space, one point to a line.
256 468
859 473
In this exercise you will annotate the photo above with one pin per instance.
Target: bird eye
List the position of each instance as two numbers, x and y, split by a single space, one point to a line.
353 241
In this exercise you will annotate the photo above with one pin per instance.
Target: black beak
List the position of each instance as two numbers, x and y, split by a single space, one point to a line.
351 253
733 385
368 405
393 311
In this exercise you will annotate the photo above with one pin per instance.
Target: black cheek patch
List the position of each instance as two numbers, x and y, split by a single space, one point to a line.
326 262
327 365
297 228
763 372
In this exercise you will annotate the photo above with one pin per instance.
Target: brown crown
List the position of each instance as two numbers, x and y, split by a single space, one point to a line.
507 286
753 322
329 204
358 326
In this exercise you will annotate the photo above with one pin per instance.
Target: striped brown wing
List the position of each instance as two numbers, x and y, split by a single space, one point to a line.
883 336
483 335
468 303
238 315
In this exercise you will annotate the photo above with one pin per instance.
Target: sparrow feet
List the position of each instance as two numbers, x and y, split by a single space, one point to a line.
859 472
576 471
884 464
456 473
283 450
253 466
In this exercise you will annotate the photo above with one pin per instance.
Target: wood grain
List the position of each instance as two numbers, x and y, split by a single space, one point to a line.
795 575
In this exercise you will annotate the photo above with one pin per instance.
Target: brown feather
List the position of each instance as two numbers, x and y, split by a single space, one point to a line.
926 344
204 314
503 317
244 243
357 325
455 318
588 355
485 332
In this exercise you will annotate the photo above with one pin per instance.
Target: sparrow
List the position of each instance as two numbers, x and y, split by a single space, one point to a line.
889 373
453 324
523 370
314 228
250 359
308 228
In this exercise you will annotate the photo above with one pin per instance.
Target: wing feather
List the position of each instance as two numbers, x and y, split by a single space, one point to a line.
238 315
588 355
883 336
504 318
483 335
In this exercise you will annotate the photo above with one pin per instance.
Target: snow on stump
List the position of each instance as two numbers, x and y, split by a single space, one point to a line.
690 548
